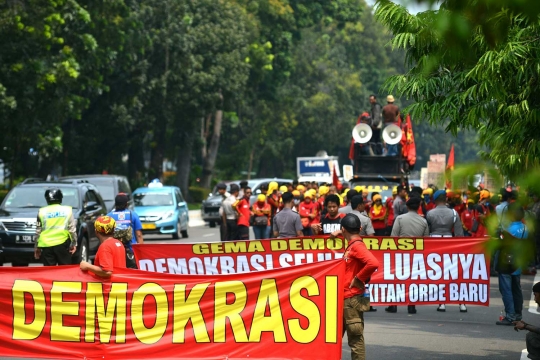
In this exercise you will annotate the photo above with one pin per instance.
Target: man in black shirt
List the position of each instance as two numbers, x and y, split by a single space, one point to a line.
332 221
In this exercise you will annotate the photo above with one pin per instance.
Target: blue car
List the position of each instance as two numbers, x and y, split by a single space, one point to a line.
162 210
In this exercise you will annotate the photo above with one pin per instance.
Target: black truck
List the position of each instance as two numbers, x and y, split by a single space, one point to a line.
378 173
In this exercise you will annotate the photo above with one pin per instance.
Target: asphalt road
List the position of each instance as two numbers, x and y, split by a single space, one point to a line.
429 334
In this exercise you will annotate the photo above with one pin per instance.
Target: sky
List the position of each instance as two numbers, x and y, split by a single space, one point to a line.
412 5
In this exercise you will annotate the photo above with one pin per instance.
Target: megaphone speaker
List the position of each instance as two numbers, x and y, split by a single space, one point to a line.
391 134
362 133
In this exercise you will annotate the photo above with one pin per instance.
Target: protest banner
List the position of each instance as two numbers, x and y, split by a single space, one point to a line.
415 271
64 313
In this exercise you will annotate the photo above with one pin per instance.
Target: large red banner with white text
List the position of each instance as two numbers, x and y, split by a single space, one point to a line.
415 271
64 313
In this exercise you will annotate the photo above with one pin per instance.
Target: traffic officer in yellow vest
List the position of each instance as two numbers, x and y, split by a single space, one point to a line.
56 236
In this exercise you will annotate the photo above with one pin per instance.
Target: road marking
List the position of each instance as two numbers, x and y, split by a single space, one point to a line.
533 307
524 354
209 235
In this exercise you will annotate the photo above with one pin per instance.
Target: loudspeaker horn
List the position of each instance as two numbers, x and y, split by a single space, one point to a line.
391 134
362 133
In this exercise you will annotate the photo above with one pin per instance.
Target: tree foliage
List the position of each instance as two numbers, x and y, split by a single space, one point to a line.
488 85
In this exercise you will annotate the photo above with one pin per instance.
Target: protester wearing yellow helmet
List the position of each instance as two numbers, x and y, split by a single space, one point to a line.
273 197
261 218
110 254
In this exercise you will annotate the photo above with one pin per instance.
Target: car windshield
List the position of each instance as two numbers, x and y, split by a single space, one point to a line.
153 199
34 197
253 184
105 187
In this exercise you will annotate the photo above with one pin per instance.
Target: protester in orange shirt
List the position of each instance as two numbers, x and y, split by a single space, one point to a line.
378 214
261 218
307 210
273 197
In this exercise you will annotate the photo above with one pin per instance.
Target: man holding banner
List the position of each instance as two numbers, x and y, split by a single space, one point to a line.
360 265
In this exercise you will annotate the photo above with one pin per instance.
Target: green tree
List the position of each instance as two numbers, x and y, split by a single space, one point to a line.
39 77
488 86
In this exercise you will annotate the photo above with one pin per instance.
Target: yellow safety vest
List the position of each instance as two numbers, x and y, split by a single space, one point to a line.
54 225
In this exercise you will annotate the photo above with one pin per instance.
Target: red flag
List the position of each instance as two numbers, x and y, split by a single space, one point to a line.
450 168
407 143
335 179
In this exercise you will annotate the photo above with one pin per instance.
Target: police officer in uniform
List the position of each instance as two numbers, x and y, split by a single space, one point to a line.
56 234
444 222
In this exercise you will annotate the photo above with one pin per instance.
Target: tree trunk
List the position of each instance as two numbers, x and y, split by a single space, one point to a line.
250 167
183 166
210 161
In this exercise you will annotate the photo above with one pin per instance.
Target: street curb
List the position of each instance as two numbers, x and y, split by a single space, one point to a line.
195 218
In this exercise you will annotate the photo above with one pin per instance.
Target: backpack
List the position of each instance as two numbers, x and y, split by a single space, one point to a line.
125 234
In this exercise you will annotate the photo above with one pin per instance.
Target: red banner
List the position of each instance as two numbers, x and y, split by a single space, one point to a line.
63 313
416 271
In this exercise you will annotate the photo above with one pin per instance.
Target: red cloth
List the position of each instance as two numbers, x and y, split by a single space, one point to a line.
243 208
390 211
421 212
467 218
430 206
407 143
450 168
359 262
335 179
110 254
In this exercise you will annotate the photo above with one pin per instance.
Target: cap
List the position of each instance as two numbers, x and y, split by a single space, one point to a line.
296 193
121 199
283 188
438 194
351 223
261 198
307 195
390 99
377 197
323 190
105 225
428 191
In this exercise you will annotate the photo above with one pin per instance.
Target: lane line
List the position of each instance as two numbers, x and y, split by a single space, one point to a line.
524 354
209 235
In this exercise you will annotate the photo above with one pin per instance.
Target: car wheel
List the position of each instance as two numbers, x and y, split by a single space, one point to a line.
212 224
184 234
178 232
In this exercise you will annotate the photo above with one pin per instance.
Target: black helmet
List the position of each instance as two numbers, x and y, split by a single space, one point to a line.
54 196
351 223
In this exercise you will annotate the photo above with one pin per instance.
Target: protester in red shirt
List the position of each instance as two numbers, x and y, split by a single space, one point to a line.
377 214
111 252
467 217
242 207
390 211
307 211
360 264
